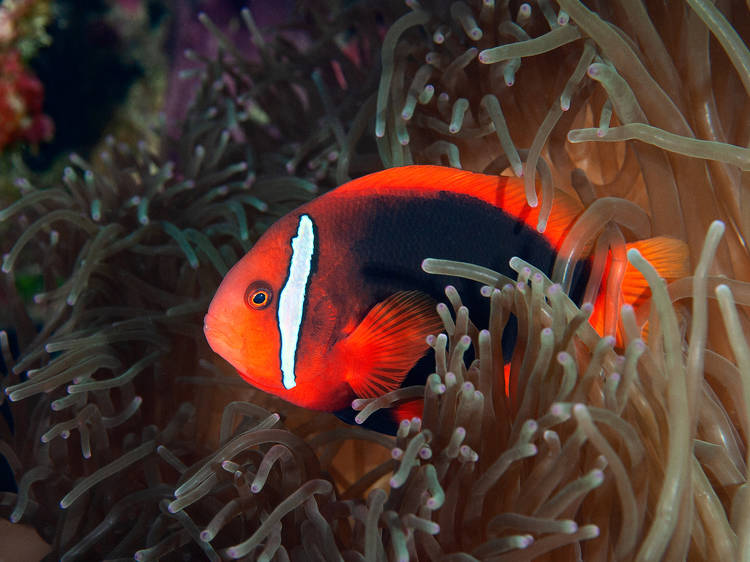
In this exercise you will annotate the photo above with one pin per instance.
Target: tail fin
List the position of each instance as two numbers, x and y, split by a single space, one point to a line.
669 256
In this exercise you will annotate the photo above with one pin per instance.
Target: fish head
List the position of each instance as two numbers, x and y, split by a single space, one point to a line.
241 322
256 317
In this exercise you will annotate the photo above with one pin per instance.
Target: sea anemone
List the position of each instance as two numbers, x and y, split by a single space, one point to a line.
628 446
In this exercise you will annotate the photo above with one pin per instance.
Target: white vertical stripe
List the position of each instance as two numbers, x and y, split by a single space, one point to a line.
293 296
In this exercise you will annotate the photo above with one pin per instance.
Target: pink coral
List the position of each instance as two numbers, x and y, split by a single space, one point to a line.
21 97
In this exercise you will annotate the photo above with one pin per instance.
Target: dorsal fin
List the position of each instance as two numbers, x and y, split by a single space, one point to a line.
503 192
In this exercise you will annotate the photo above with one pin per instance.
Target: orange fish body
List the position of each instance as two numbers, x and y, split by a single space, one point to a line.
331 303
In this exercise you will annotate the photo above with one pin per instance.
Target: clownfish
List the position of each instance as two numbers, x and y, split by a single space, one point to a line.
331 303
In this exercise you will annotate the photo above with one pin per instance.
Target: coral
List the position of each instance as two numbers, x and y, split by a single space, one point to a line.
22 32
23 124
130 439
21 96
23 25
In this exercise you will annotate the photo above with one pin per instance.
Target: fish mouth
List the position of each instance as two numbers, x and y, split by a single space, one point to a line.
258 383
225 342
220 341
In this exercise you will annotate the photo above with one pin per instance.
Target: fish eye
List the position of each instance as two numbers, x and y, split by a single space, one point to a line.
258 295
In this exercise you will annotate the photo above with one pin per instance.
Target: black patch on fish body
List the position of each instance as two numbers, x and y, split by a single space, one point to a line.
397 233
394 234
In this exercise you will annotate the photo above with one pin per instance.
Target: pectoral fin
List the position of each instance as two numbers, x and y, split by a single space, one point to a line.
388 342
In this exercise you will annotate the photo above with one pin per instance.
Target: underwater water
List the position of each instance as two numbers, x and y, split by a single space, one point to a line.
145 145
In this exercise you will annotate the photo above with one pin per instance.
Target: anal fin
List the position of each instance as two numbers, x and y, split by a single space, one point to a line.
408 410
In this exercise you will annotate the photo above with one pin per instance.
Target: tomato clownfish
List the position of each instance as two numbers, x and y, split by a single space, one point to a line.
331 303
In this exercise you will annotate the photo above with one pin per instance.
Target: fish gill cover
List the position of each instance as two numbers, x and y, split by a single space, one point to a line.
129 438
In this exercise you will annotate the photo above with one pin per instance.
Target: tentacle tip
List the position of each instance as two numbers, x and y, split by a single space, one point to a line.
557 410
632 254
